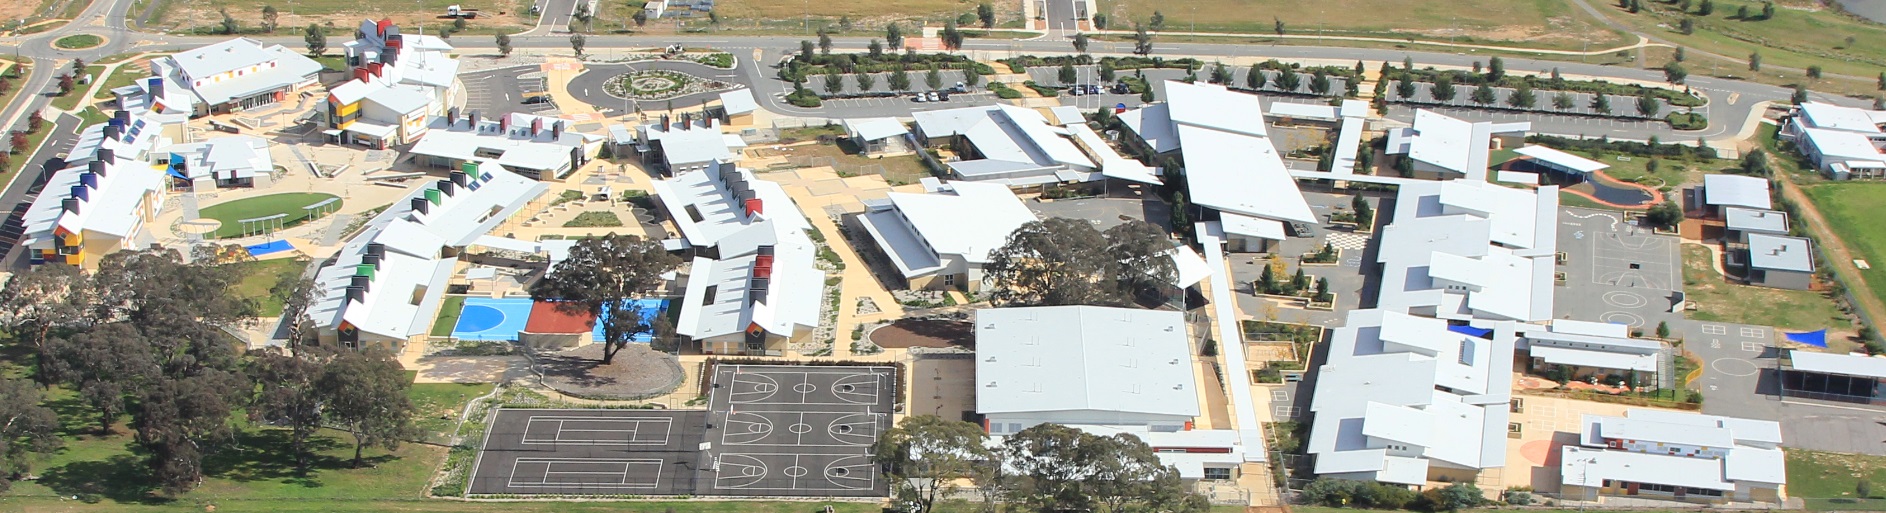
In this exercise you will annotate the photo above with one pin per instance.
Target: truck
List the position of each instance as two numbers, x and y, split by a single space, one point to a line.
454 11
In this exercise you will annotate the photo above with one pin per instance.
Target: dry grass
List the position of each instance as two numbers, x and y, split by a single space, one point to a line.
493 15
1544 23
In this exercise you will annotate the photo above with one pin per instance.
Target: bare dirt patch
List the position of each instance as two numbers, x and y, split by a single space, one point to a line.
635 372
908 333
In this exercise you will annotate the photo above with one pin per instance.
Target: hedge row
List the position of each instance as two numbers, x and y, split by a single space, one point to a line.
1459 77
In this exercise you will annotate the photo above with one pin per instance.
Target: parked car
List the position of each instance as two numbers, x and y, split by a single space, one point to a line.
917 98
1093 89
1074 90
1121 88
931 96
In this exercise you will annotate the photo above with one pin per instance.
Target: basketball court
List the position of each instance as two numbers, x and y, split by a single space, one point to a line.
798 430
770 430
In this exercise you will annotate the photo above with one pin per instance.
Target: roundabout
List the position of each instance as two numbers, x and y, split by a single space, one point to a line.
651 84
658 84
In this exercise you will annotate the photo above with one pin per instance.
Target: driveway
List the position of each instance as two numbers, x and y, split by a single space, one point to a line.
500 91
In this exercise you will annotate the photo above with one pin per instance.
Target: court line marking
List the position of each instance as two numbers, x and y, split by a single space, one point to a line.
627 465
766 472
666 432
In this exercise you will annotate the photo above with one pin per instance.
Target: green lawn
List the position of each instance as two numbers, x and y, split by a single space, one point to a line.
448 316
261 275
437 406
1796 37
121 77
1721 301
79 41
1853 210
1831 474
230 213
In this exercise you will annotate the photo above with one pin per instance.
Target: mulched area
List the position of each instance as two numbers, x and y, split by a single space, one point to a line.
907 333
636 371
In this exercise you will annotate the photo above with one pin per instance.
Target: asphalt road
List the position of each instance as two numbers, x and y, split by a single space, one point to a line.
588 86
498 91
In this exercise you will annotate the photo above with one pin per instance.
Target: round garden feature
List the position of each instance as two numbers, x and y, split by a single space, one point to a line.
658 84
636 373
79 42
926 332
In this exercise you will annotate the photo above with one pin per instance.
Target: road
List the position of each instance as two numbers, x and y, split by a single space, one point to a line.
33 174
554 18
500 90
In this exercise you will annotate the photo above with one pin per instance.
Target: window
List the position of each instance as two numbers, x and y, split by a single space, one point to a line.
707 298
1217 473
949 280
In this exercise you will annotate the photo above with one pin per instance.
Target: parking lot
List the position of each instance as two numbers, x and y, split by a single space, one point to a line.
1614 271
904 102
503 90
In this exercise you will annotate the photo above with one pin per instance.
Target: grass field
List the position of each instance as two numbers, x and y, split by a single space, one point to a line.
416 504
79 41
261 275
494 16
1853 210
121 77
230 213
1721 301
1831 474
448 316
1543 23
1802 33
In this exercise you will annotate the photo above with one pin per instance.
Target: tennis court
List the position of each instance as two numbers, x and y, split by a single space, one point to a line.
492 319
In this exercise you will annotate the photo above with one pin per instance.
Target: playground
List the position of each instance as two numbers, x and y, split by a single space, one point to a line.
484 318
263 215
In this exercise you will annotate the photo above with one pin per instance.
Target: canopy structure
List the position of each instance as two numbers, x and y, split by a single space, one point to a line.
1470 331
1817 338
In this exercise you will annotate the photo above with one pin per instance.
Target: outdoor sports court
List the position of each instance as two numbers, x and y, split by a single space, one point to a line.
484 318
1625 255
770 430
798 430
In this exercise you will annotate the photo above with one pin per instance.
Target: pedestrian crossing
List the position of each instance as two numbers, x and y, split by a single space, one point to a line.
1347 241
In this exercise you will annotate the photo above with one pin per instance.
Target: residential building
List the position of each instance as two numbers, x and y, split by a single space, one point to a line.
536 147
941 239
1723 191
219 162
1465 250
1406 400
1582 351
1739 222
237 75
878 136
684 145
1843 142
384 288
1443 147
1674 455
1778 261
1230 165
1014 146
754 285
399 83
98 204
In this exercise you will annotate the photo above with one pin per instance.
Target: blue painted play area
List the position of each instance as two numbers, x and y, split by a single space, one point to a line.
269 248
484 318
649 308
492 319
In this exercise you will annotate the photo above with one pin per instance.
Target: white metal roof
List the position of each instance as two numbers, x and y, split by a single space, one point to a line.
1215 107
223 57
872 129
1562 159
1758 465
1303 111
1836 117
1780 253
1586 467
1845 364
738 101
1843 145
1084 358
261 68
1112 164
690 143
1248 226
1756 220
1240 173
967 221
1736 191
1153 124
1349 139
228 157
1598 359
1746 431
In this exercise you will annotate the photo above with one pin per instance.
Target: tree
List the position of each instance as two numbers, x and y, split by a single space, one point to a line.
1707 7
316 39
933 78
1755 163
1062 261
1277 25
834 83
875 49
1522 96
952 36
1158 21
1679 55
1496 69
230 27
1067 74
865 82
825 42
894 35
1601 103
1663 329
1484 94
1319 82
367 395
1687 26
1443 88
1814 72
16 142
269 17
1321 295
504 44
295 294
1142 40
1882 81
641 18
900 81
1768 10
927 454
844 24
1059 468
66 85
1674 73
1800 94
39 299
1458 496
805 50
1106 71
1299 281
971 76
1100 21
1080 42
1664 214
180 421
603 276
1647 105
1364 212
576 43
289 396
1407 63
986 13
1220 74
1405 87
1562 101
582 15
1266 281
1288 80
1743 13
34 122
1755 61
30 432
1863 489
